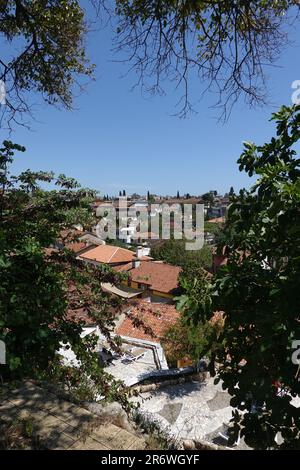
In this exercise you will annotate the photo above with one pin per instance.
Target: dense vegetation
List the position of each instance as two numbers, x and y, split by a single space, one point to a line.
42 290
258 293
174 252
197 333
259 290
226 44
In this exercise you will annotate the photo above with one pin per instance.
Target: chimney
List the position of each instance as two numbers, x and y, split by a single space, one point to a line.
142 251
136 263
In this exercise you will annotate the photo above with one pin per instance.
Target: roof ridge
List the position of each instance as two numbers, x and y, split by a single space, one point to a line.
113 254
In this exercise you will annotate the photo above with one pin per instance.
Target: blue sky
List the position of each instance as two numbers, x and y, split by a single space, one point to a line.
118 139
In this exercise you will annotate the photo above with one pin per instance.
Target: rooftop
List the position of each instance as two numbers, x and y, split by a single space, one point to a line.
161 277
156 319
109 254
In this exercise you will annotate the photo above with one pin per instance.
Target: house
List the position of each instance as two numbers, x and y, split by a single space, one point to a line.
91 239
141 238
77 240
216 212
154 319
70 239
141 355
156 280
108 254
183 200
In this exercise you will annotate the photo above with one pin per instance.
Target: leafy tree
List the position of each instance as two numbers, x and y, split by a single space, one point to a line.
150 197
197 332
50 56
231 192
178 195
43 290
174 252
259 291
208 198
212 227
227 44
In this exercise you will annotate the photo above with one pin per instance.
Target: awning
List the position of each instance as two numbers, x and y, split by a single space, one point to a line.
107 287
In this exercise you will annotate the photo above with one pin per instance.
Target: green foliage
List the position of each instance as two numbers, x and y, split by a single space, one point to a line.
196 334
227 43
233 41
121 244
50 56
174 252
212 228
195 303
41 290
193 341
208 198
259 289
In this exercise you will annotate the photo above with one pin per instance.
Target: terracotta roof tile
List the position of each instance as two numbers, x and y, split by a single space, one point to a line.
109 254
76 246
78 315
157 317
160 276
123 267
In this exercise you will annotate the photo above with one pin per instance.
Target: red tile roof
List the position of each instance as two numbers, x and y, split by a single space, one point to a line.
123 267
80 315
109 254
154 316
76 246
161 277
70 239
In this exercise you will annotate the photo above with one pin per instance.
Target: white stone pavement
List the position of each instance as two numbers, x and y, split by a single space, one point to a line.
190 411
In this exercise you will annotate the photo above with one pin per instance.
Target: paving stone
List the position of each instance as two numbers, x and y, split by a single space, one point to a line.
220 401
117 438
8 412
138 444
59 424
48 428
72 414
32 401
110 431
88 444
171 412
63 442
121 441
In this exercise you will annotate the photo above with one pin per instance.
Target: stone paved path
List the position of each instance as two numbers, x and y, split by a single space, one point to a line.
194 410
63 425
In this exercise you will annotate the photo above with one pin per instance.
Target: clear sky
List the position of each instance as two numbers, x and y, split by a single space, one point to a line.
117 139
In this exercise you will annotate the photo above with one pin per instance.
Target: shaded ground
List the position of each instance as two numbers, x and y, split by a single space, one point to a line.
38 419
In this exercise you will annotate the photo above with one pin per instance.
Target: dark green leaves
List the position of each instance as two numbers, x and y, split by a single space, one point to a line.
259 290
